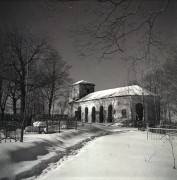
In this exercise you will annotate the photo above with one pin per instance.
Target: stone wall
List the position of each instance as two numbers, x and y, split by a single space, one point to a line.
74 93
118 104
126 104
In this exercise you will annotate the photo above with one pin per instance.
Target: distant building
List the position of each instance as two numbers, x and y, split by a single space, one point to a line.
130 104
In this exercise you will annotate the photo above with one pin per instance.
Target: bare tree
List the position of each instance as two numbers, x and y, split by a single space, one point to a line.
56 76
23 50
14 94
118 26
26 50
63 101
163 81
4 84
4 95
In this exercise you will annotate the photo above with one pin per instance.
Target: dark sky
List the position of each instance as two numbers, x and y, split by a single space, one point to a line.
58 20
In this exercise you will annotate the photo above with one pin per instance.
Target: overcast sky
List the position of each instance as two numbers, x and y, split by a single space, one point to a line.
58 20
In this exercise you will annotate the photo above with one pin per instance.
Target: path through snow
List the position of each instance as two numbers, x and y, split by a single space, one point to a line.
119 156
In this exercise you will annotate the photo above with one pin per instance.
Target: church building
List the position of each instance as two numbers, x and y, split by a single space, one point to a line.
124 104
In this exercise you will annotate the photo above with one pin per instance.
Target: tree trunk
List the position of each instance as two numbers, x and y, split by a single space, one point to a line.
51 97
14 105
2 113
50 105
23 106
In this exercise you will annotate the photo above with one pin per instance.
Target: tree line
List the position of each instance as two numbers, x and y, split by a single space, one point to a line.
163 82
34 78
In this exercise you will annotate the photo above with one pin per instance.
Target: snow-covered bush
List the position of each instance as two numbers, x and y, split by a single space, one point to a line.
39 123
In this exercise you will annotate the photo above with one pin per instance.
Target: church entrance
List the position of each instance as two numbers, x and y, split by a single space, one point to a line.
101 116
86 114
110 113
139 115
93 114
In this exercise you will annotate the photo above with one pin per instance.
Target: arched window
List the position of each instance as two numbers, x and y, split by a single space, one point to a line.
93 114
79 113
110 113
86 114
101 116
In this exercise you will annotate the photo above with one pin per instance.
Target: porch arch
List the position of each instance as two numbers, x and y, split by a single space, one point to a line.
86 114
101 115
110 113
93 114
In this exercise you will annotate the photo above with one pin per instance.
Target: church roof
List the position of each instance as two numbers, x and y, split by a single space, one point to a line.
116 92
83 82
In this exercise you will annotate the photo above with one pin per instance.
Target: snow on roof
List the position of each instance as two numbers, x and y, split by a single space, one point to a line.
122 91
83 82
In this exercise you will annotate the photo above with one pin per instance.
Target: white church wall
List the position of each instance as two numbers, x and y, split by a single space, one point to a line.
118 104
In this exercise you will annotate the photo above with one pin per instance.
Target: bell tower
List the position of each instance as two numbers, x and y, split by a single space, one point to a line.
80 89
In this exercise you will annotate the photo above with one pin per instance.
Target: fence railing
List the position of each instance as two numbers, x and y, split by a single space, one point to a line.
11 131
159 133
53 126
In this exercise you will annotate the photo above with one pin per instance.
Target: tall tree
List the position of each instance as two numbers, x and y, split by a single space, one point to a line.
163 82
14 94
23 51
4 83
26 49
56 74
4 95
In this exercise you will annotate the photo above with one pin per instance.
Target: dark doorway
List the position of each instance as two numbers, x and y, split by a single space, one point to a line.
76 115
79 113
139 115
86 114
101 116
93 114
110 113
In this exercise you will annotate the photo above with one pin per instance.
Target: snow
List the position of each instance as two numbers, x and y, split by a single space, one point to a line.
39 123
83 82
125 154
119 156
22 160
122 91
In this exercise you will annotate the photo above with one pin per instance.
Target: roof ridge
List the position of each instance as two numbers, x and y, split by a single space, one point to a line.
115 92
83 81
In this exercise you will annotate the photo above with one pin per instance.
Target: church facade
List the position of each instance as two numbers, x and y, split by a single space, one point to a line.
125 104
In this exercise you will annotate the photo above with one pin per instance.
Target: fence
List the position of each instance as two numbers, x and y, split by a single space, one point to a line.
10 126
11 131
159 133
53 125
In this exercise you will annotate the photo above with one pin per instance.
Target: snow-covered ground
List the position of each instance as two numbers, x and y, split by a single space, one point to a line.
121 155
118 156
22 160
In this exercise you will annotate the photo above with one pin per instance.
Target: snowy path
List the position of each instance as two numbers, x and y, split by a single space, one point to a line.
119 156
